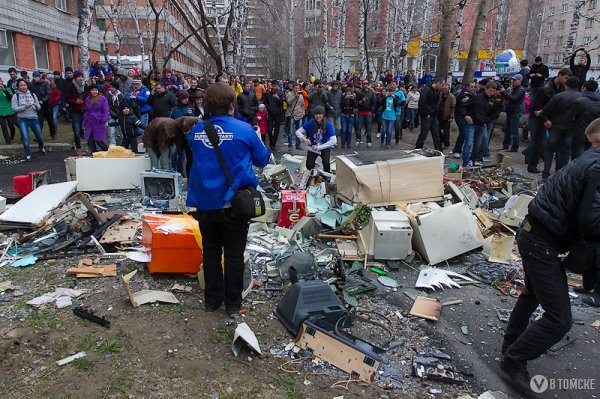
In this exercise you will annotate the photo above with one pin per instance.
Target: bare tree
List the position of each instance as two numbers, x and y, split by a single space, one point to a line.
325 32
457 36
363 51
482 14
569 45
408 23
83 35
114 12
446 7
133 12
160 13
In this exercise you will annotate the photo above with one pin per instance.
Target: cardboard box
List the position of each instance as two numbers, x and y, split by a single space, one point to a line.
293 207
411 177
176 252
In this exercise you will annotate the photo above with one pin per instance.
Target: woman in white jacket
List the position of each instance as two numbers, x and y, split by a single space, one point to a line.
26 104
412 105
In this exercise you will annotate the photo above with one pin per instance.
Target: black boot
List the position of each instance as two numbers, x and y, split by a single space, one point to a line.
518 375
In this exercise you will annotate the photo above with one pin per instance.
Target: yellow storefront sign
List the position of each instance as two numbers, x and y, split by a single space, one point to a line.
413 49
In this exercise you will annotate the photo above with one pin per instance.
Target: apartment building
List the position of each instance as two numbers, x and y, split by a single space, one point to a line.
41 35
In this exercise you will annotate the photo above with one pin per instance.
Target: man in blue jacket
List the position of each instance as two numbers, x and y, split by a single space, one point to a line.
210 193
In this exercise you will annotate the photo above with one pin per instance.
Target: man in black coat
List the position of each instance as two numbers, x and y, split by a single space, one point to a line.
549 229
42 91
583 111
538 74
559 125
513 100
429 103
274 102
247 104
162 101
555 85
582 67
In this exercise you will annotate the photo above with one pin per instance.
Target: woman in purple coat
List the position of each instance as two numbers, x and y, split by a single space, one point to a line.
95 120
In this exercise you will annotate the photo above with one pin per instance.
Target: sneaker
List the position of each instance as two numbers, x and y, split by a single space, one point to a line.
469 164
349 146
43 150
343 146
28 158
456 155
387 147
211 308
477 163
378 135
368 144
357 143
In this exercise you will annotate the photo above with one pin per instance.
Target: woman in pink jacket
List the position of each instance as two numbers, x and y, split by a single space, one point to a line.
95 120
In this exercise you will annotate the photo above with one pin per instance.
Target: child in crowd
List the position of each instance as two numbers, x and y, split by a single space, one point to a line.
262 116
130 126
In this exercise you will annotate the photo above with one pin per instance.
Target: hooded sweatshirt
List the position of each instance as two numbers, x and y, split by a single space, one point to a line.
125 86
19 102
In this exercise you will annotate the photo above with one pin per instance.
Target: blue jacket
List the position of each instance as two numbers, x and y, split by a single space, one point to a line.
208 188
180 110
142 100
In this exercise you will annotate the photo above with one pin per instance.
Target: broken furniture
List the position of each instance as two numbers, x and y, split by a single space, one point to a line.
339 352
30 211
388 236
412 177
159 187
516 210
174 243
105 174
443 233
23 185
309 300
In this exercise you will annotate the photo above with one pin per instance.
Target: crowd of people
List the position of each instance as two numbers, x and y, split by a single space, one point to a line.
115 105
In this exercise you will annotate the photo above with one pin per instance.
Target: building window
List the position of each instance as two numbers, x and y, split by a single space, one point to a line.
561 24
485 26
7 49
61 5
101 23
565 7
312 5
336 22
559 41
557 57
336 3
548 41
40 53
589 23
374 5
310 26
67 55
592 4
374 25
549 26
551 10
587 39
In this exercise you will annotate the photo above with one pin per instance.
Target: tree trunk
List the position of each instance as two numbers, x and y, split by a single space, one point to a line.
570 43
424 25
343 28
325 14
482 15
457 36
443 64
136 20
83 35
408 24
362 34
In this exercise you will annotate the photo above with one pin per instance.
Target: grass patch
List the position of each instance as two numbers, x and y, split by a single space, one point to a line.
45 319
83 364
85 344
48 374
109 347
289 387
224 335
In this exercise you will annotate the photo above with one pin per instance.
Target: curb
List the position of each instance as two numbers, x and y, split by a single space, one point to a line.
17 149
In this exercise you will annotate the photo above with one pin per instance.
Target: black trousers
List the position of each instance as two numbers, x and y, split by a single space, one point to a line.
273 127
537 150
93 145
559 143
546 285
398 127
444 131
221 232
45 113
7 123
429 123
311 158
131 142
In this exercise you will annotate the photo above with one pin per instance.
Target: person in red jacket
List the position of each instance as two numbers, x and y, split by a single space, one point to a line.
55 96
76 92
262 116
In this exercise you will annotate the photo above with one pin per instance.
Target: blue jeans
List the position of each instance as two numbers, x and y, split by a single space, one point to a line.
366 121
460 140
292 126
559 143
55 110
24 126
480 142
511 132
347 125
387 127
473 134
112 132
76 120
412 115
533 131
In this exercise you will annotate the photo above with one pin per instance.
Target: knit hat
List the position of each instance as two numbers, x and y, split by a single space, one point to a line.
517 76
36 74
182 95
68 69
124 105
262 106
319 109
77 74
137 81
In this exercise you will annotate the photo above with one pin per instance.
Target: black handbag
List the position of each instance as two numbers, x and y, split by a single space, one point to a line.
583 255
247 202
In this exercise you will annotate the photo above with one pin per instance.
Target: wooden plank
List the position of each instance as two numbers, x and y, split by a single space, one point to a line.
340 236
99 271
338 354
121 232
426 308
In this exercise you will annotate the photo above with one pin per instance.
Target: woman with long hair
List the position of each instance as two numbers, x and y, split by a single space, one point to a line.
95 120
26 105
318 136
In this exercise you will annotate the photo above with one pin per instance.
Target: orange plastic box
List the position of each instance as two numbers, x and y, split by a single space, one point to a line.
174 252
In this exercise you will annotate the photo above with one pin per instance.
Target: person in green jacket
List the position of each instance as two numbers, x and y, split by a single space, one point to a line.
7 115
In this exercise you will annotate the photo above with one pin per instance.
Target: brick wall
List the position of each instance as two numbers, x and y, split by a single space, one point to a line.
24 51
